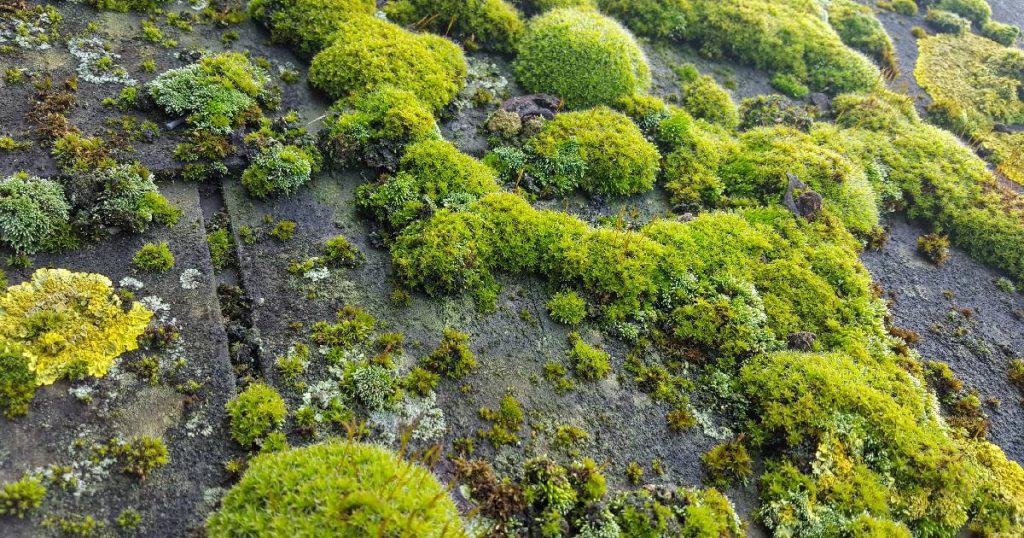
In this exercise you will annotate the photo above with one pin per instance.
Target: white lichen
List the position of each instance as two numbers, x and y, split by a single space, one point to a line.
96 64
191 279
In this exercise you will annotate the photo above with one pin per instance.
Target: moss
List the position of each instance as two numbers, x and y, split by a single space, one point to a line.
353 326
947 22
307 24
77 153
216 94
507 419
1004 34
790 85
420 381
154 257
616 158
362 56
221 246
904 7
858 28
255 412
977 11
300 478
682 512
69 323
17 382
582 57
789 37
973 81
490 24
934 247
432 174
142 455
590 363
21 497
339 252
33 212
284 230
567 307
277 170
127 5
452 356
907 454
375 387
704 99
374 129
727 463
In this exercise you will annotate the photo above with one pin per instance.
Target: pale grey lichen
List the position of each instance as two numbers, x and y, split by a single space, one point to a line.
96 64
191 279
131 283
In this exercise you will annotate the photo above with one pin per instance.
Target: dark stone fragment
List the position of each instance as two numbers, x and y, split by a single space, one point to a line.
802 341
530 106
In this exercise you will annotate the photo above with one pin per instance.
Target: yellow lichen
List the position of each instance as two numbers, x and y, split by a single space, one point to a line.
69 322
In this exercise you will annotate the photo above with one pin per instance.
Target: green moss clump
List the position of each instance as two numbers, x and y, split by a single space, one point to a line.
934 247
617 159
682 512
567 307
583 57
22 497
904 7
1004 34
947 22
353 326
125 6
727 463
17 382
339 488
375 128
590 363
339 252
368 54
452 356
976 11
490 24
142 455
445 254
789 37
278 169
704 99
33 212
154 257
254 412
123 196
307 24
217 93
858 27
432 174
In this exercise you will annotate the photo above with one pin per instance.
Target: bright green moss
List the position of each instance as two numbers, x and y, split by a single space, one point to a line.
124 196
545 5
617 159
277 169
307 24
32 212
254 412
896 455
452 356
375 128
858 28
69 324
142 455
974 81
368 54
353 326
446 254
727 463
581 56
1004 34
491 24
217 93
338 488
947 22
432 174
790 37
567 307
17 382
977 11
22 497
686 512
590 362
154 257
127 5
705 99
904 7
